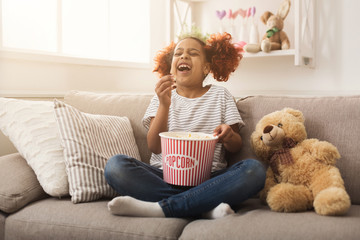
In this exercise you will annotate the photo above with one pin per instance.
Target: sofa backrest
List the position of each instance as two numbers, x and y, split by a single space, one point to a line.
334 119
129 105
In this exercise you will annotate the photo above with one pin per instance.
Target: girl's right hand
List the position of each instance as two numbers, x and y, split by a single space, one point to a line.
163 89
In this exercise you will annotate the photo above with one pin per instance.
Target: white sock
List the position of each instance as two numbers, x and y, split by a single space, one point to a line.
129 206
222 210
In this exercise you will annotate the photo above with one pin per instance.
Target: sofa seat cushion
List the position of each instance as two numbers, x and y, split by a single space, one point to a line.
61 219
332 118
256 221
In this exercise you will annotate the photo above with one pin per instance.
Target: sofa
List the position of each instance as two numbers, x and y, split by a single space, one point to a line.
28 212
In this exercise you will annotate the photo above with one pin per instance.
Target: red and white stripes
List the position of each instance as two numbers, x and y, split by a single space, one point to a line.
187 162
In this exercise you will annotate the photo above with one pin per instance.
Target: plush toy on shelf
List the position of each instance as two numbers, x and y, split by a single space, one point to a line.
302 174
275 38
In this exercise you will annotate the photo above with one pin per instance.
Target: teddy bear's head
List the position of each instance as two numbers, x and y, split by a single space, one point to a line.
275 38
275 128
276 20
272 21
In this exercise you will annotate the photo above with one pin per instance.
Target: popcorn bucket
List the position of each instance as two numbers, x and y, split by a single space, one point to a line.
187 157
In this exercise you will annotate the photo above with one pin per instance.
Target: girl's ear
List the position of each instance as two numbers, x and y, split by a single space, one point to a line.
206 69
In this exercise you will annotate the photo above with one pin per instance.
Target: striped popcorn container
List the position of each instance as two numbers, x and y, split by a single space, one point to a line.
187 157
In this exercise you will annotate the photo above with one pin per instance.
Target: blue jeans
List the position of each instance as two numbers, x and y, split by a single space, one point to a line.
233 185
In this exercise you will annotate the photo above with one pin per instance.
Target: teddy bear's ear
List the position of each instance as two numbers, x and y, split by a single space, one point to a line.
296 113
284 9
266 15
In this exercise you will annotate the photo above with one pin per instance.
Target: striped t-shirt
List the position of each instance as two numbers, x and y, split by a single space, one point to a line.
203 114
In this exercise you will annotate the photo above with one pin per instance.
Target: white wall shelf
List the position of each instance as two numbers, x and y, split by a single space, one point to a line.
304 29
290 52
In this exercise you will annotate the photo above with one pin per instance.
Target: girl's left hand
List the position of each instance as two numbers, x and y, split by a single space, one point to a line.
229 137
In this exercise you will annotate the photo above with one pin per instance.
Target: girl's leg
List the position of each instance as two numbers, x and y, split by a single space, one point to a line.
238 183
232 186
131 177
222 210
129 206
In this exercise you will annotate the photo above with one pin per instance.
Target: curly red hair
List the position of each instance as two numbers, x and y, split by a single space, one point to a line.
222 55
163 60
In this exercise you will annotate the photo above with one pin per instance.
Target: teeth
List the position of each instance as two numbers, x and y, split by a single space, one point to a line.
182 67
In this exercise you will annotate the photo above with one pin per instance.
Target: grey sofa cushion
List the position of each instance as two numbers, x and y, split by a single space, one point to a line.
255 221
130 105
333 119
60 219
19 185
2 225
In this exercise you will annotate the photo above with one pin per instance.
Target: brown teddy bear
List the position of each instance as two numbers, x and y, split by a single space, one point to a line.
302 173
275 38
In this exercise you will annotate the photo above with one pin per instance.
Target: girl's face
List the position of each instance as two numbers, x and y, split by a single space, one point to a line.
189 64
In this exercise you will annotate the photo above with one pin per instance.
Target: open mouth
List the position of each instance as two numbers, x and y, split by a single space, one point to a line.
183 67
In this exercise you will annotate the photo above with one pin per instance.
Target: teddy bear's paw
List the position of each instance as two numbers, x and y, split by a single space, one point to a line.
266 45
332 201
252 48
287 197
325 152
285 45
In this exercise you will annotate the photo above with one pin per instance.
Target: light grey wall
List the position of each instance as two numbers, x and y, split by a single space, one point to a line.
337 68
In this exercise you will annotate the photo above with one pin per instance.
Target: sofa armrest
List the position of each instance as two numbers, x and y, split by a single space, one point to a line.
18 183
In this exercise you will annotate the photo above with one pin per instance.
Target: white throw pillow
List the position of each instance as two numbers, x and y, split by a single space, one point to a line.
31 127
89 141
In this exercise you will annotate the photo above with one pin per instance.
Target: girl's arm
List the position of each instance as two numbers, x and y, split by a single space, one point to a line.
229 137
159 123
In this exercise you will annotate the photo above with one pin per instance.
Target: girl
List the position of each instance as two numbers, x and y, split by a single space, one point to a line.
182 103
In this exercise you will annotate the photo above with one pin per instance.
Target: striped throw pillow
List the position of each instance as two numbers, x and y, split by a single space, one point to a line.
89 140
